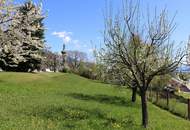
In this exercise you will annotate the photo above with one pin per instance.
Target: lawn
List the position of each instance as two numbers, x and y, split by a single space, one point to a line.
185 95
55 101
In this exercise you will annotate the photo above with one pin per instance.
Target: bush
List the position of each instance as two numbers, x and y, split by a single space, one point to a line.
159 82
86 72
64 70
184 77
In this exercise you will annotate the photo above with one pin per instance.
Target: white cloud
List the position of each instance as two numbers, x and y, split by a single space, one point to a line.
65 36
67 39
74 44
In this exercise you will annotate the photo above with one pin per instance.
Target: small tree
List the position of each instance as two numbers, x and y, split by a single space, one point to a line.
51 60
75 59
150 53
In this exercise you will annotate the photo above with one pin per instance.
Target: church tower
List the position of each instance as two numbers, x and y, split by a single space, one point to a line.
64 55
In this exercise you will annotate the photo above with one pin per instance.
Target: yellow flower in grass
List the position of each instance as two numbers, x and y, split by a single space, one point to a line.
116 125
50 124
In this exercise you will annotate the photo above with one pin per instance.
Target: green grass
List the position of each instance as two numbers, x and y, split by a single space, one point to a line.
55 101
185 95
176 106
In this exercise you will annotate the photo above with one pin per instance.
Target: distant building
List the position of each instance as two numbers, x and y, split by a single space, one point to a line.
179 85
48 70
183 69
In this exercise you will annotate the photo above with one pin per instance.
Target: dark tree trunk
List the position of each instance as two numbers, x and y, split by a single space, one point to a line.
134 91
54 64
167 97
144 109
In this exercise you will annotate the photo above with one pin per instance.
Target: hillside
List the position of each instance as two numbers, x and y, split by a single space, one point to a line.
58 101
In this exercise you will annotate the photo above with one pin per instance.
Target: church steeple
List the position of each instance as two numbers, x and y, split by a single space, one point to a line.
64 54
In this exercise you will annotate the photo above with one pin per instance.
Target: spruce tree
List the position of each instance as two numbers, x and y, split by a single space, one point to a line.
24 39
10 45
31 26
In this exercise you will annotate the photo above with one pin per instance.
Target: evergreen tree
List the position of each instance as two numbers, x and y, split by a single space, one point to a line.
9 51
25 34
32 27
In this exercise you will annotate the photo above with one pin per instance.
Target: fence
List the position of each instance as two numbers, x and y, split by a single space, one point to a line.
177 105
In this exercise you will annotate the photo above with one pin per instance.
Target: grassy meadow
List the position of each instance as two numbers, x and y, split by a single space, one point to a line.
56 101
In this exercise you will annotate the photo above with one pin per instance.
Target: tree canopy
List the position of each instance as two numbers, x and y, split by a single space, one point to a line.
140 49
22 38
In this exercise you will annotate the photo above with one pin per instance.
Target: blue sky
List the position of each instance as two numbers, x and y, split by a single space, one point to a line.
78 22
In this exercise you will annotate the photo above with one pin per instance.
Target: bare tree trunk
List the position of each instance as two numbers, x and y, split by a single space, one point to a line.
134 91
167 97
157 96
144 109
54 64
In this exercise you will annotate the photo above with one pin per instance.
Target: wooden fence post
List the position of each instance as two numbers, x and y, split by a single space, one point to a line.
188 108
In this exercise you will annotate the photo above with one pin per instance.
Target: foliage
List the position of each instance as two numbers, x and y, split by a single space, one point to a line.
85 71
159 82
23 39
75 59
184 76
177 104
140 49
51 60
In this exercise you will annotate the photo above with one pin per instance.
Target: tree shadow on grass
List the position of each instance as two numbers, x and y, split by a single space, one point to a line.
106 99
72 116
2 81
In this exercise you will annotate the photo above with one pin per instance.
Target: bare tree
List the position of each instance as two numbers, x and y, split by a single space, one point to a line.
75 58
6 9
140 47
51 60
188 52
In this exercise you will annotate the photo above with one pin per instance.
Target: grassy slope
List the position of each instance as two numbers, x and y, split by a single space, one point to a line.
64 101
185 95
